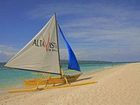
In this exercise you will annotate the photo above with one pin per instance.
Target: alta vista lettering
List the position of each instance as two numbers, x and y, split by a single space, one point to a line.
41 43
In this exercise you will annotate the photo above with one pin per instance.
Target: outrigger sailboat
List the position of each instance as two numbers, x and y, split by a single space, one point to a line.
42 55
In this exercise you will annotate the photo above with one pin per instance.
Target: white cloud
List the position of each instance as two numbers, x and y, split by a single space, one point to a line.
61 8
94 20
6 52
105 31
107 54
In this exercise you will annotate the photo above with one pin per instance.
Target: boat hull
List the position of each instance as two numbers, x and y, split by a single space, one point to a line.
52 80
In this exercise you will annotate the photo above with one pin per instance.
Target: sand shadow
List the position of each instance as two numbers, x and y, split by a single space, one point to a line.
83 79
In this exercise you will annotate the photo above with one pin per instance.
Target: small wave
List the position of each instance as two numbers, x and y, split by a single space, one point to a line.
108 67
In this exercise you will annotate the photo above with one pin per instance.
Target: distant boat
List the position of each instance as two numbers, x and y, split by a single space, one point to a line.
42 55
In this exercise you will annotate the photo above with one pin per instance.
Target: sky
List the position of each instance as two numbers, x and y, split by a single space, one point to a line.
105 30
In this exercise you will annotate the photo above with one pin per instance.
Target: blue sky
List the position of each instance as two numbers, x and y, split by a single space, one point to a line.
96 29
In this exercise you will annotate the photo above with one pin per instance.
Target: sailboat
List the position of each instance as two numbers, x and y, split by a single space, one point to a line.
42 55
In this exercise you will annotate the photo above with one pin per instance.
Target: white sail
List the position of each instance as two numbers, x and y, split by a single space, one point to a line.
41 53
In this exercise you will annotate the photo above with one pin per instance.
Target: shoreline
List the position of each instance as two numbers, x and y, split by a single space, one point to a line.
17 85
84 75
119 85
98 71
4 91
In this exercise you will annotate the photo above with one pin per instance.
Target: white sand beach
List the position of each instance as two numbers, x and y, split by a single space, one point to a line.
115 86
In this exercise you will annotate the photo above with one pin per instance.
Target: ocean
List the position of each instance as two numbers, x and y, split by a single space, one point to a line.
10 78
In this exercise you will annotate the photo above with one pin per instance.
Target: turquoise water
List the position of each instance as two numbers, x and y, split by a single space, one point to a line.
12 78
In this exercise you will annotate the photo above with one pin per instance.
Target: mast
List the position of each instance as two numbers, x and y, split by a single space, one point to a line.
61 73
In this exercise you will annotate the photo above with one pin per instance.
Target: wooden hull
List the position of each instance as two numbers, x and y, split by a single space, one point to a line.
52 81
